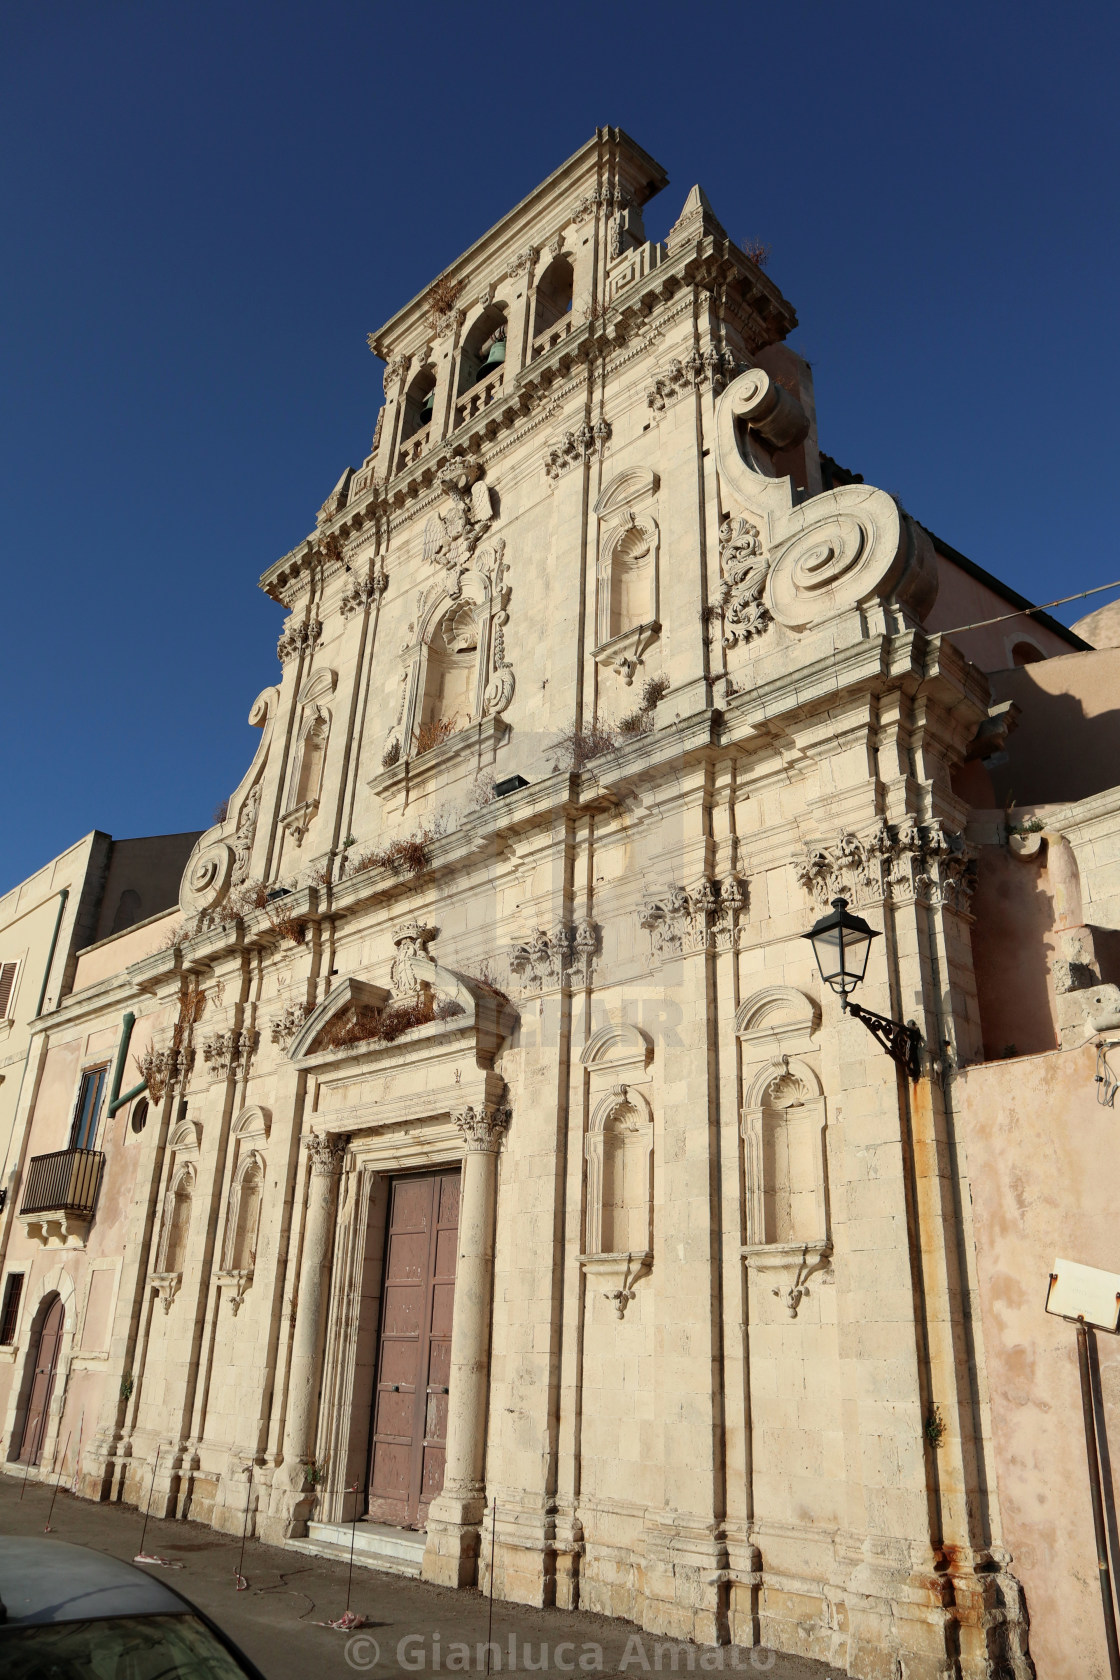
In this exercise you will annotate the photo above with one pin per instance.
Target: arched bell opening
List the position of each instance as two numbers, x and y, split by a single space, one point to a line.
554 295
419 401
484 348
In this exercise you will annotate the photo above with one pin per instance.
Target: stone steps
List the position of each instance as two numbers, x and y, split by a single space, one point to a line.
400 1551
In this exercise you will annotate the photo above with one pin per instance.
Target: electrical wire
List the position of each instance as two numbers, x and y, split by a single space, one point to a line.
1024 612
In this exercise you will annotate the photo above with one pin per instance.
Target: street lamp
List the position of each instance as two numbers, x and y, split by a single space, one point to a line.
841 944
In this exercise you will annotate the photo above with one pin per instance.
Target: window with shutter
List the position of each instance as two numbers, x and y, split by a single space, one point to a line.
9 1318
8 972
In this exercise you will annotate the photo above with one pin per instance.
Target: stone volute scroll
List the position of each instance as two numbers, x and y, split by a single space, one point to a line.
783 1121
221 857
618 1148
845 548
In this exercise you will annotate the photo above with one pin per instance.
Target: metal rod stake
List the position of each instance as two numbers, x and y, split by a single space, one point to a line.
1098 1503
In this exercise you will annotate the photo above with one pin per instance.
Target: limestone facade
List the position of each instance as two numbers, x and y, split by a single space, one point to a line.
597 682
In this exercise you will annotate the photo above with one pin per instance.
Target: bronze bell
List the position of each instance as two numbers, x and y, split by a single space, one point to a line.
495 356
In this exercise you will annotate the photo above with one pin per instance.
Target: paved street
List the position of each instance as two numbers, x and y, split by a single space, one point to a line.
414 1628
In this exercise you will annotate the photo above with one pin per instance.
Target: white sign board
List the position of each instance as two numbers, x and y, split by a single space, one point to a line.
1086 1293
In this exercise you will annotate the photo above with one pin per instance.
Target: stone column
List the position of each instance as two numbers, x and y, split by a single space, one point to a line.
455 1518
292 1501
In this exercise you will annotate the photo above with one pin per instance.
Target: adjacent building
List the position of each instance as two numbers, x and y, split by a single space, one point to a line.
478 1131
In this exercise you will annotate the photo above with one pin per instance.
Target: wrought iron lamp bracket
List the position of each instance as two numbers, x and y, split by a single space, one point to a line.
901 1041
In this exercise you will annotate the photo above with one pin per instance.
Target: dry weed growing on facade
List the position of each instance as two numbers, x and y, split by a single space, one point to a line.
442 298
384 1026
435 733
580 746
403 857
758 253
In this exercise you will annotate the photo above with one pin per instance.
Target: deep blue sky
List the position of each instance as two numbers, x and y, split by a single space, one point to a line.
206 207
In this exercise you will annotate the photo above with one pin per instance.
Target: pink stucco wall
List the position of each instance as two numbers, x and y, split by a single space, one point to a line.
1043 1162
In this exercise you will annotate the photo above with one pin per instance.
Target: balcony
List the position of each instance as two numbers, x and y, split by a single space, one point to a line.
59 1196
413 447
477 397
551 337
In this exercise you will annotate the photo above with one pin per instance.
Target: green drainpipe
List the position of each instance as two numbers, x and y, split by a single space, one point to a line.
115 1099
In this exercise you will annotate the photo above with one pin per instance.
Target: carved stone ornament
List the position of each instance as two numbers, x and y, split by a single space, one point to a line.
395 371
846 548
227 1054
576 447
235 1283
523 263
411 940
691 373
681 920
563 958
166 1286
482 1129
898 862
743 571
287 1024
362 590
162 1068
451 538
299 639
326 1152
612 197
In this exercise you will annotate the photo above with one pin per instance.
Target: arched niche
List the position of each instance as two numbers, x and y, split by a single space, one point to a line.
174 1235
627 607
619 1150
783 1123
305 781
450 685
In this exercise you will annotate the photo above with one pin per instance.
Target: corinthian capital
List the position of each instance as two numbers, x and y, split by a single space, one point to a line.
482 1129
326 1153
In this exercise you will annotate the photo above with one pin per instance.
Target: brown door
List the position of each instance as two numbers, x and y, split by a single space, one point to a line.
42 1384
414 1354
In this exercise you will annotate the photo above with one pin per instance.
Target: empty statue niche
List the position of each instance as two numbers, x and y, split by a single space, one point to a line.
243 1215
620 1175
172 1252
631 582
309 768
627 1186
554 295
450 676
791 1162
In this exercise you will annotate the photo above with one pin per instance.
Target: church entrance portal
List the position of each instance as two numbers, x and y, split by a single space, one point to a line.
414 1348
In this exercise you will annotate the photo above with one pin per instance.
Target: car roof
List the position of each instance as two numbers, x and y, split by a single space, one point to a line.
53 1581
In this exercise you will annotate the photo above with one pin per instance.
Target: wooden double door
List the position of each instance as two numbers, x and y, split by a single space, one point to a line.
42 1383
409 1431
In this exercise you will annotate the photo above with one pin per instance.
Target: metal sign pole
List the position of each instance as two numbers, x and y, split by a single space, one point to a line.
1099 1534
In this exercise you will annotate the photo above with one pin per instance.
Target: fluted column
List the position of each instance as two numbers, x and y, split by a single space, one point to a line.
292 1500
455 1518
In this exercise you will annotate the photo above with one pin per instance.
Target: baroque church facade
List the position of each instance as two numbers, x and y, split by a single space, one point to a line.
480 1150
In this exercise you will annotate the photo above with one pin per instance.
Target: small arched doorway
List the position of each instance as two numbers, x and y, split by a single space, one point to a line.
42 1382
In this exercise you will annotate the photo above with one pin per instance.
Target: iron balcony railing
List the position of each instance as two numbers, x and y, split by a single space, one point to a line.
65 1182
